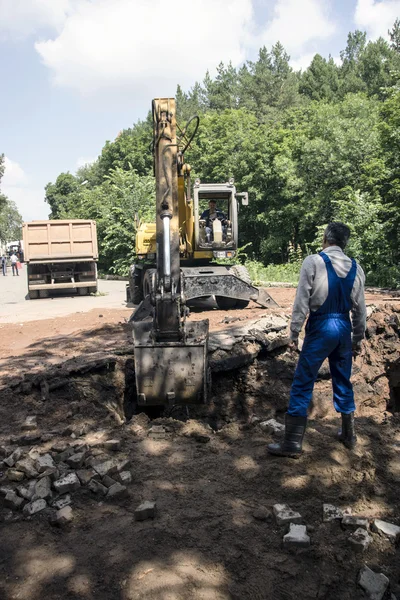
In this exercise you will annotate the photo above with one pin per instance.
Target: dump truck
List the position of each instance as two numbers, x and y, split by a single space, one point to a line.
60 255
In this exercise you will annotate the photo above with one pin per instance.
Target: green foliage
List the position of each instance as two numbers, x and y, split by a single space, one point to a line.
10 222
309 147
263 274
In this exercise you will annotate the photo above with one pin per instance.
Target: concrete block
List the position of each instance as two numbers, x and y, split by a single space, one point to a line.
67 483
44 462
360 540
42 489
34 507
108 481
51 472
157 432
113 445
63 517
27 466
386 529
4 489
62 456
374 584
86 475
27 491
13 457
123 464
147 510
125 477
13 501
97 488
105 468
29 424
285 515
272 426
61 502
333 513
117 491
75 461
297 537
350 522
14 475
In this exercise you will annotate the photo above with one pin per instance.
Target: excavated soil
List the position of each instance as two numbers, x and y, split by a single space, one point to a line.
214 536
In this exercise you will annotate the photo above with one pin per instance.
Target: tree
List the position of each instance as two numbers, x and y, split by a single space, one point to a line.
394 35
60 194
10 222
321 80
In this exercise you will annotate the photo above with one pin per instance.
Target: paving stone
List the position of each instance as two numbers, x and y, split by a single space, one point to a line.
297 537
44 462
360 540
34 507
27 491
61 502
113 445
27 466
387 529
272 426
124 477
332 512
157 432
67 483
97 488
63 468
13 501
284 514
63 517
13 457
108 481
123 464
106 468
51 472
29 424
43 489
374 584
60 446
350 522
76 460
27 439
86 475
15 475
117 491
62 456
4 489
147 510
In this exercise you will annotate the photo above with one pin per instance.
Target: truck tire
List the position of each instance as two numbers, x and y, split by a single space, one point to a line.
83 291
33 294
136 289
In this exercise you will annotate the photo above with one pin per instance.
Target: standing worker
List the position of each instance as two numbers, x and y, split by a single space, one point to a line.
330 286
14 266
4 265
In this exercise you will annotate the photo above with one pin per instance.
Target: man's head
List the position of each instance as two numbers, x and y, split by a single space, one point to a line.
336 234
212 205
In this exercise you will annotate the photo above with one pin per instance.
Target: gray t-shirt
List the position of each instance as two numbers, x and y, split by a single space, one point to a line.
312 291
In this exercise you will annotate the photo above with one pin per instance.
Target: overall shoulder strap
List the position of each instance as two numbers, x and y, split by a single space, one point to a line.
325 258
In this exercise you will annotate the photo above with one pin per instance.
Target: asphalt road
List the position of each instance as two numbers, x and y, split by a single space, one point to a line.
16 306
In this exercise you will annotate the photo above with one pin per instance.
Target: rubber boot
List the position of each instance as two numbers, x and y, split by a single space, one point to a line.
292 443
347 434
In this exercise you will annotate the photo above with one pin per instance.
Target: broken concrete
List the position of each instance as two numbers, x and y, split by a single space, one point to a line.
27 466
360 540
43 489
106 468
61 502
147 510
113 445
124 477
29 424
75 461
386 529
86 475
350 522
333 513
117 491
272 426
44 462
63 517
34 507
297 537
68 483
97 488
13 501
14 475
374 584
285 515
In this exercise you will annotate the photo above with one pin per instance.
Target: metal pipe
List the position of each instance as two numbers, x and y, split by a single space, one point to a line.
166 219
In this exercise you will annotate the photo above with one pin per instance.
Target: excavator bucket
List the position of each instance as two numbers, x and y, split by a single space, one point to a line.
168 372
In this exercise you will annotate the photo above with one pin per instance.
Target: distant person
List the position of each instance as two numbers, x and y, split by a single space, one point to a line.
331 286
14 261
4 265
210 215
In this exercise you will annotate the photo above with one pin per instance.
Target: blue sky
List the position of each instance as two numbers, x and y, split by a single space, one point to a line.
75 72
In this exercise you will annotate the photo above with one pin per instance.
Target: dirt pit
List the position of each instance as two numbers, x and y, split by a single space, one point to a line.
214 535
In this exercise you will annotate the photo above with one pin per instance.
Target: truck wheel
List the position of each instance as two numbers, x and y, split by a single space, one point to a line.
136 288
43 293
226 303
33 294
82 291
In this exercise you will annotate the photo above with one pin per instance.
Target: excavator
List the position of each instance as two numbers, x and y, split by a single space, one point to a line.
175 266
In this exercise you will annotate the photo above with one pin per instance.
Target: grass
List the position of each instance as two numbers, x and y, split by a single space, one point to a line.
262 274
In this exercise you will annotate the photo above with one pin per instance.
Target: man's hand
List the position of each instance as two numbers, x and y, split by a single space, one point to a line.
294 345
356 348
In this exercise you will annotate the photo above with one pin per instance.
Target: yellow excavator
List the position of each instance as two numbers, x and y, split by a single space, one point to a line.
175 266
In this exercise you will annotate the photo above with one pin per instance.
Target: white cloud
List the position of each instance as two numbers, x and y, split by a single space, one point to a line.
376 17
21 18
297 24
142 45
302 62
16 185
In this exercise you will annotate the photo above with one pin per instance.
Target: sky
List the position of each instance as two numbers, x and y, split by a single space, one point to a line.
73 73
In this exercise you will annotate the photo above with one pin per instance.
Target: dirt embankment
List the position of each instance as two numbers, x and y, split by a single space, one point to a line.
214 535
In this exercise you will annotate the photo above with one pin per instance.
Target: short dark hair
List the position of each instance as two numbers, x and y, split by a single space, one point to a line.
212 200
337 234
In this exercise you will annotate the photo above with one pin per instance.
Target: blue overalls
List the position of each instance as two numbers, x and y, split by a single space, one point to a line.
328 334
